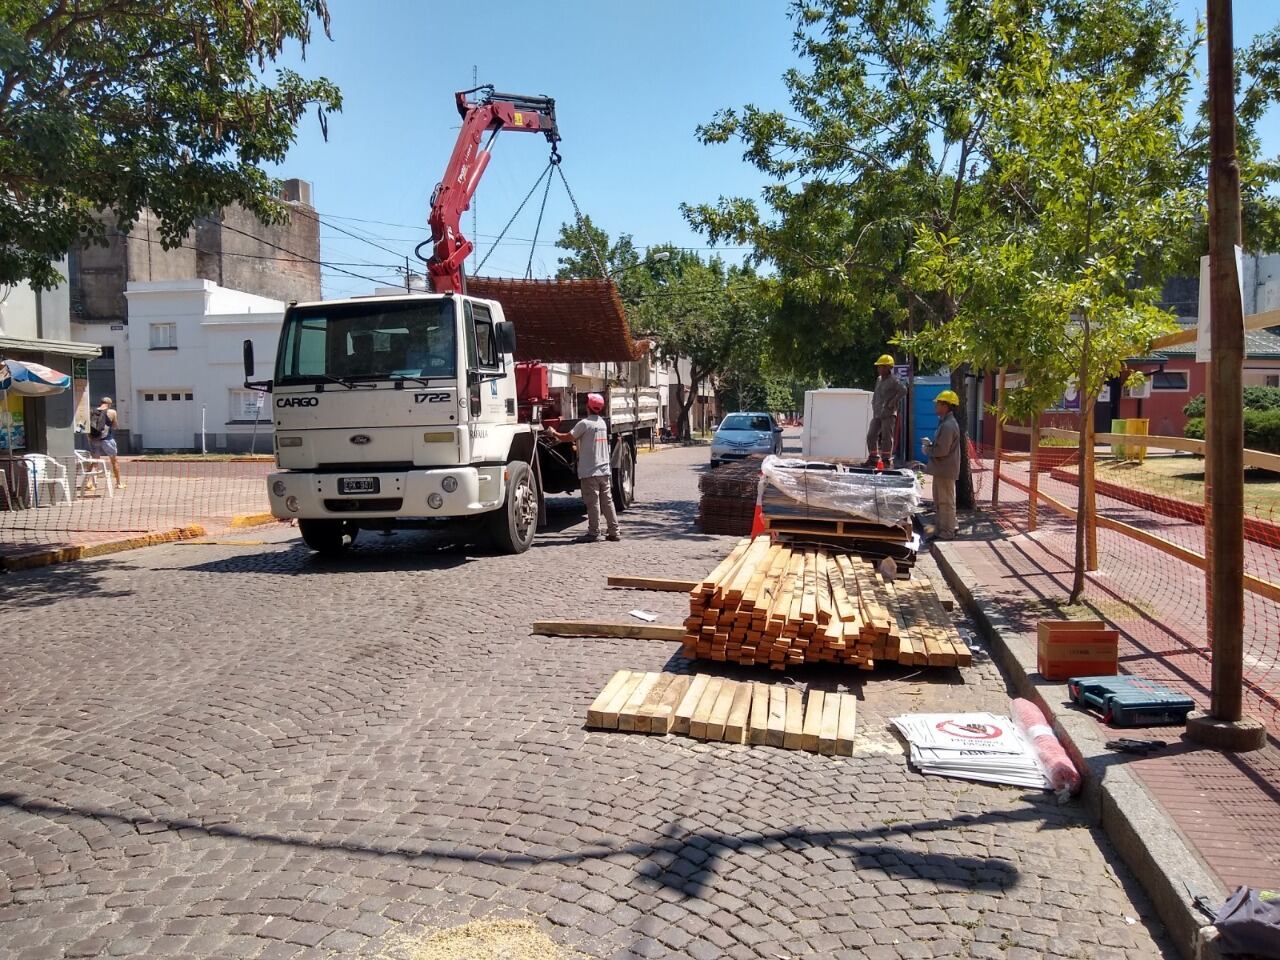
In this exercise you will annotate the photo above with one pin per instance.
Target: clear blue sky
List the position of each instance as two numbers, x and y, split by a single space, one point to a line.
631 83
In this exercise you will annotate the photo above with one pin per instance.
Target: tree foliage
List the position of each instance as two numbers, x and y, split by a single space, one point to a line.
893 134
1091 168
117 105
700 311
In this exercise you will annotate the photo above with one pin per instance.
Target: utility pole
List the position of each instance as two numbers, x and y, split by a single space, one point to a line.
1225 726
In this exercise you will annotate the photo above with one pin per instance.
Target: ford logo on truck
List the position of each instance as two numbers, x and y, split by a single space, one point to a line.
297 401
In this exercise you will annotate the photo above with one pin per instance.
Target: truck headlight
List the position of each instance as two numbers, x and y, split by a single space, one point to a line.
291 503
450 484
289 441
435 501
278 488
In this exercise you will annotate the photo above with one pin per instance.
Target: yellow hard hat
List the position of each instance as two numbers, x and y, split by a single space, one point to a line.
885 360
947 396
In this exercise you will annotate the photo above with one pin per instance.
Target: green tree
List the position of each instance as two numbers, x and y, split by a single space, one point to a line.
1092 167
887 136
698 311
117 105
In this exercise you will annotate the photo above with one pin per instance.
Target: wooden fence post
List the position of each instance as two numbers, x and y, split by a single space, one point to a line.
995 470
1034 495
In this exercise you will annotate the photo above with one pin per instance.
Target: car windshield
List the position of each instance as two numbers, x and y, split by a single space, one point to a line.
368 341
743 421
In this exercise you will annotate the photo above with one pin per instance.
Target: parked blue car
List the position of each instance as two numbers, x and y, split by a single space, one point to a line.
743 435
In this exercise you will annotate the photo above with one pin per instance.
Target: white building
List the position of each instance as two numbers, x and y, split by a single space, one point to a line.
179 368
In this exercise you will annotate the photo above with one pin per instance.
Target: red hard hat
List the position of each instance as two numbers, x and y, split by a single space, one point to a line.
595 403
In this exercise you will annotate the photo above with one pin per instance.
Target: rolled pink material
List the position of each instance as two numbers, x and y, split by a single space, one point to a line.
1035 729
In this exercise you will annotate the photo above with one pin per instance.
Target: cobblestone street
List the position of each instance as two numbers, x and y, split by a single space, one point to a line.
240 751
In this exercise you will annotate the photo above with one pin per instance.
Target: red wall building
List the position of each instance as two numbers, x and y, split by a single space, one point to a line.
1175 379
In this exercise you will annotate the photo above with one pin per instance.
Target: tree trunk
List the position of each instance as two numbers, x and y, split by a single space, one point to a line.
1082 500
964 482
686 404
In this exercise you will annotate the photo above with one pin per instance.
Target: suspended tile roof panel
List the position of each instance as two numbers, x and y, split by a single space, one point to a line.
563 321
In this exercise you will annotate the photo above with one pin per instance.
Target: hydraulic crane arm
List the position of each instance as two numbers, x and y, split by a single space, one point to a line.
491 113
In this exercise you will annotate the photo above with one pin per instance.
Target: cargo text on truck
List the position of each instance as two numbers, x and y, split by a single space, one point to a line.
412 410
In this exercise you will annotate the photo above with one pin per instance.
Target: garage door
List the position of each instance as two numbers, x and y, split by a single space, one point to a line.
169 418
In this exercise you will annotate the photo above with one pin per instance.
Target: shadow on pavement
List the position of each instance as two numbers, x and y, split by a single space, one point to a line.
43 586
686 861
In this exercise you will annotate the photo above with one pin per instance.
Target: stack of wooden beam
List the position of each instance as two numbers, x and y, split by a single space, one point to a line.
788 605
716 708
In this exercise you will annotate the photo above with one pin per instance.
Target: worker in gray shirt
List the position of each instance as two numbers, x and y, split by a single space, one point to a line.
886 399
591 436
944 462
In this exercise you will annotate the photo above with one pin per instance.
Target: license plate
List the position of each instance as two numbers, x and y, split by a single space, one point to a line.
358 485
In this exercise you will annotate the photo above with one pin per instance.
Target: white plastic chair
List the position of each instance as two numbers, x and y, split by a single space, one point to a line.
47 471
91 469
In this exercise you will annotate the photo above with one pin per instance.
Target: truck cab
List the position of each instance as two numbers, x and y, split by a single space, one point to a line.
399 411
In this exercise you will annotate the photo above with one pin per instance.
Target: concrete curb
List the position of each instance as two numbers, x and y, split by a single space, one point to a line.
1113 796
252 520
51 555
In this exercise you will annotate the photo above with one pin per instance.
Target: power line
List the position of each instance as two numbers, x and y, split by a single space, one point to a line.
260 256
300 256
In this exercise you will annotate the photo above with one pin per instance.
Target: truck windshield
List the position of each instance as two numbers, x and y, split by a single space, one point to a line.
368 341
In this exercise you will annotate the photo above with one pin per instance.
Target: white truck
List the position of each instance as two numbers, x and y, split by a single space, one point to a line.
407 411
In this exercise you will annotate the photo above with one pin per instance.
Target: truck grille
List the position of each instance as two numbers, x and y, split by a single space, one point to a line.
363 505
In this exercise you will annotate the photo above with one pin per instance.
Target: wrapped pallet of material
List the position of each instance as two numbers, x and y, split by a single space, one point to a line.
822 489
1053 759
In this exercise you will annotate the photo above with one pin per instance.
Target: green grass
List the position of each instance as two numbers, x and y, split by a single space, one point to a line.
1181 477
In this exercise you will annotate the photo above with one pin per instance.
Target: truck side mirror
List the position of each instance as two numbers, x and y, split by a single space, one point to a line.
506 333
248 360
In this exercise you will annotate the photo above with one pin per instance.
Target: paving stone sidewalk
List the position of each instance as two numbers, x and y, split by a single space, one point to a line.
220 751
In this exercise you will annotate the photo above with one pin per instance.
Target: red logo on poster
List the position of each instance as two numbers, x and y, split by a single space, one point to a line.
970 731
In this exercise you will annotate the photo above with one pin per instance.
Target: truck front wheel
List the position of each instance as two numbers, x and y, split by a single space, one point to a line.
512 527
624 480
327 537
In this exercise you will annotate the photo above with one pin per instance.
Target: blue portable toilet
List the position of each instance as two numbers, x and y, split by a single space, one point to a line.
925 417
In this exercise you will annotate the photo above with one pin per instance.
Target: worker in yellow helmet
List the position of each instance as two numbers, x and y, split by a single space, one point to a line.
944 462
886 400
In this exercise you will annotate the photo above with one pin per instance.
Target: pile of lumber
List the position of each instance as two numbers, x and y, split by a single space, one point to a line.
728 497
788 605
715 708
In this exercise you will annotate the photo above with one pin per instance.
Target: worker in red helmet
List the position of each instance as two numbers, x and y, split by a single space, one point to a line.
591 436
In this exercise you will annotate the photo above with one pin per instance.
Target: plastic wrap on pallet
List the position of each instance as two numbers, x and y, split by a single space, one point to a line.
1053 759
820 487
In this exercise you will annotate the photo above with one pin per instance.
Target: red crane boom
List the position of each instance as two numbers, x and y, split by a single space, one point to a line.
491 113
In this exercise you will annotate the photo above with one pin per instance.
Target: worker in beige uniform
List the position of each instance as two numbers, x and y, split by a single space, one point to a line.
591 436
885 402
944 462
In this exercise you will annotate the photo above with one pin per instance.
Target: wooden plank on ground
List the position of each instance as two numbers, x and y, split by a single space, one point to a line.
758 723
845 725
664 713
688 704
609 713
793 733
595 712
645 712
735 729
720 711
654 583
777 715
830 729
702 715
812 721
630 712
593 628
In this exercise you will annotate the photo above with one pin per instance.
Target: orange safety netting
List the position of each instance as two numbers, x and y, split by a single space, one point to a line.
563 321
